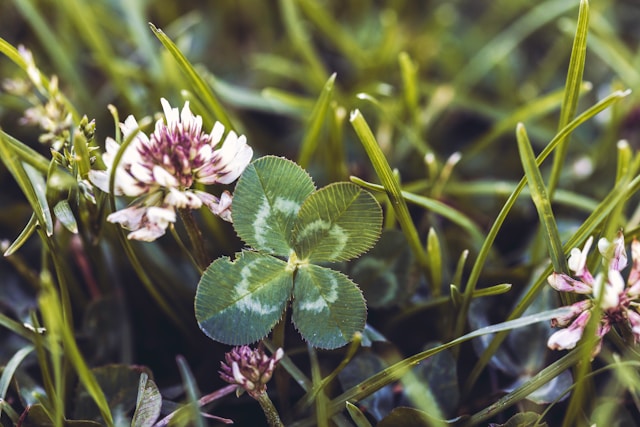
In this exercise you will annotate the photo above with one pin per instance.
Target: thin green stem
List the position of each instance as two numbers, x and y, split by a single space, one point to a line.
270 411
195 237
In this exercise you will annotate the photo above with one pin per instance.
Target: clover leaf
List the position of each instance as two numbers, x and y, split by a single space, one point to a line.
279 213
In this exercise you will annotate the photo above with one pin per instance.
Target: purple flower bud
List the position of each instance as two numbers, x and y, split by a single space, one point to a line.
250 369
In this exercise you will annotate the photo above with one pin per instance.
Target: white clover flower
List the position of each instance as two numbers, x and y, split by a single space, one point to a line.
161 170
617 299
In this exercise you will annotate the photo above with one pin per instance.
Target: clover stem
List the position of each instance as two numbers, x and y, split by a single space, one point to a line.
195 237
270 411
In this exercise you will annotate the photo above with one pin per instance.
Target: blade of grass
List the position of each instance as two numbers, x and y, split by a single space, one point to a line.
537 381
35 196
571 91
357 416
57 53
87 22
301 42
316 120
13 54
197 83
322 418
541 200
9 369
529 111
191 389
435 256
505 188
618 194
26 154
391 187
496 50
493 232
435 206
58 329
319 386
26 232
332 30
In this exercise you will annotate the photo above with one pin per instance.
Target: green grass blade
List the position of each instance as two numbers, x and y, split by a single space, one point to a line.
572 89
197 83
435 206
357 416
332 30
397 370
391 187
191 389
528 112
541 200
496 50
618 194
24 235
537 381
317 119
26 154
57 53
33 189
302 42
493 232
10 368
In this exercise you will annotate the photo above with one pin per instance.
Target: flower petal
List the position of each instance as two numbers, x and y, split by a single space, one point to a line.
578 258
575 310
567 338
634 274
614 252
634 322
563 283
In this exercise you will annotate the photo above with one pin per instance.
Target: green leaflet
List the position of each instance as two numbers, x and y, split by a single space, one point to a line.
240 301
328 308
266 202
337 223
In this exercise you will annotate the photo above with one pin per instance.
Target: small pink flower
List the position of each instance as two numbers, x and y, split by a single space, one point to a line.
616 299
161 170
250 369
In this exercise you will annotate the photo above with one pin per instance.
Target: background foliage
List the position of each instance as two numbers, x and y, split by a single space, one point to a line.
432 79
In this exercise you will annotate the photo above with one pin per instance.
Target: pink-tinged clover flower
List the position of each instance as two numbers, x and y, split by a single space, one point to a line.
618 301
249 369
161 170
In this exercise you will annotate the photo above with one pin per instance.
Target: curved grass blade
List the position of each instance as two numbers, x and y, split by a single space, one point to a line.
30 181
317 118
391 187
10 368
397 370
503 44
435 206
572 90
541 200
493 232
198 84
